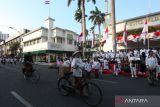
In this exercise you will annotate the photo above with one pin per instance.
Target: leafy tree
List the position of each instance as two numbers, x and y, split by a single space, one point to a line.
81 5
14 47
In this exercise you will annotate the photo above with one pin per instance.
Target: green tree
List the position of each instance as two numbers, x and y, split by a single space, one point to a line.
81 5
97 18
78 17
14 47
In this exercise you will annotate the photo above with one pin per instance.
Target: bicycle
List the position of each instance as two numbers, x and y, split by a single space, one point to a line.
91 93
31 74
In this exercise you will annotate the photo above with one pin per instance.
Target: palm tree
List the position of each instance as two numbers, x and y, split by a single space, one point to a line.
78 17
97 17
81 5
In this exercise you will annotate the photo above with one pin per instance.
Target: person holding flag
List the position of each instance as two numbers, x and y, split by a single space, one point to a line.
144 32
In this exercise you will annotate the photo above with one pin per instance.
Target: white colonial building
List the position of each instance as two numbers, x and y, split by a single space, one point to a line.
45 44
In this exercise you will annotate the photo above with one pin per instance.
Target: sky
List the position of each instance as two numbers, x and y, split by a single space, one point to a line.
31 14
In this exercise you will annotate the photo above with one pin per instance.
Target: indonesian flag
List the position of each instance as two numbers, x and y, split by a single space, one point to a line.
105 36
47 1
124 39
135 37
80 37
144 32
157 34
93 39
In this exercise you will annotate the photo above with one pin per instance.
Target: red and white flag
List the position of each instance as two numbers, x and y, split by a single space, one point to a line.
124 39
105 35
157 34
135 37
47 1
93 39
80 38
144 32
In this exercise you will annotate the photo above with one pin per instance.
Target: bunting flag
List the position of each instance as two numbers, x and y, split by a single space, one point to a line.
144 32
105 36
157 34
124 39
135 37
47 1
93 39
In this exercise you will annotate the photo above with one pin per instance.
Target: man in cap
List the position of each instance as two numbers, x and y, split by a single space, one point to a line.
76 66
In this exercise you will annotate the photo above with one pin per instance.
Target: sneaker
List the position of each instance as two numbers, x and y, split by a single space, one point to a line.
132 76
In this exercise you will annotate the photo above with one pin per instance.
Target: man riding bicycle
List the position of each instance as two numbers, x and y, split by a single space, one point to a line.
28 68
151 64
76 68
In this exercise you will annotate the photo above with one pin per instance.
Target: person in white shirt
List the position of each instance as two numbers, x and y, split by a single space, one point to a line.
96 67
106 64
117 66
88 68
151 63
66 62
76 68
132 65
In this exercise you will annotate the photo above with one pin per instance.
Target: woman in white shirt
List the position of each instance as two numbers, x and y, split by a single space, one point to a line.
132 65
151 63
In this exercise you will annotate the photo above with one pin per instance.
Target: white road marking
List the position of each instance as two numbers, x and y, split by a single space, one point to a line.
21 99
113 82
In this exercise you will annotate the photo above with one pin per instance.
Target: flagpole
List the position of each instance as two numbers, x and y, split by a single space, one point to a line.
149 8
49 10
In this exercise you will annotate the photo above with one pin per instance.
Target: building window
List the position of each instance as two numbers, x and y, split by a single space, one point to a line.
69 41
59 40
38 40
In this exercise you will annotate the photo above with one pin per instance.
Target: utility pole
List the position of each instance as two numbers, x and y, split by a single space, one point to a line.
113 26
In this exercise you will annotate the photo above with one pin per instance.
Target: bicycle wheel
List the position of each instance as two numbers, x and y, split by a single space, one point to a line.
92 94
63 86
35 77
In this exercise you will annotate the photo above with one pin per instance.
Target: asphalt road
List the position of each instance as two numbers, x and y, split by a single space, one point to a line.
17 92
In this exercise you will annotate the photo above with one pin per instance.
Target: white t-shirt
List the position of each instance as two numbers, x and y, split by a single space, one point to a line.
76 67
106 64
151 62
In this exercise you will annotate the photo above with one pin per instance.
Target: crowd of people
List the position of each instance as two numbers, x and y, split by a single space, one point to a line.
133 61
11 60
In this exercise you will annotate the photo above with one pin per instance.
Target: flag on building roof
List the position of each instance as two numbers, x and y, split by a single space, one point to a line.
93 39
105 35
144 32
47 1
124 39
